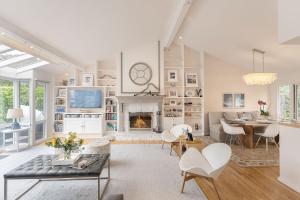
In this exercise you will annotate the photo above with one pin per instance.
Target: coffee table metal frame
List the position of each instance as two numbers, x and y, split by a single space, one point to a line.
63 178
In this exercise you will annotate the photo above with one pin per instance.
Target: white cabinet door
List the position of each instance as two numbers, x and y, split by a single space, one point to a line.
169 122
73 125
93 126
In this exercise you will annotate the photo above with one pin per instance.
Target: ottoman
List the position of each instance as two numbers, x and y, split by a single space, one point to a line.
97 147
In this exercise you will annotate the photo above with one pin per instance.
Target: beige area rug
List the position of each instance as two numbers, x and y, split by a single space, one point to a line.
257 157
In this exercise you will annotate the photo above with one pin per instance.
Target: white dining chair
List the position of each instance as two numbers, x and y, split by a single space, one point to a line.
270 133
233 133
208 164
171 136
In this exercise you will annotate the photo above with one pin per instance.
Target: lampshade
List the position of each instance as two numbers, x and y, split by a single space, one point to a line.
14 113
260 78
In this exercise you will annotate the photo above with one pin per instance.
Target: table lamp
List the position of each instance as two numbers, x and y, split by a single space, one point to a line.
15 114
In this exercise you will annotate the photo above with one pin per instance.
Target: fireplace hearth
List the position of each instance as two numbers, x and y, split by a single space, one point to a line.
140 121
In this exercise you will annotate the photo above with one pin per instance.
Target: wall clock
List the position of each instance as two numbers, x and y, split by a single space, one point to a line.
140 73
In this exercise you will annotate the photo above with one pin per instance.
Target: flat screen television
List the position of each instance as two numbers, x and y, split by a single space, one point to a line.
85 98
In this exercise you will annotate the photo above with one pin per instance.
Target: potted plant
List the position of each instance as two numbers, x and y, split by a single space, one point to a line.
66 145
263 113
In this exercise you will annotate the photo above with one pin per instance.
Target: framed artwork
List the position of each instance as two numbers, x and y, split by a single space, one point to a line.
173 102
72 81
239 100
228 100
111 93
173 92
88 80
191 79
172 76
62 92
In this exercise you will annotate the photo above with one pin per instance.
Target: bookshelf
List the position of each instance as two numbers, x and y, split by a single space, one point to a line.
183 102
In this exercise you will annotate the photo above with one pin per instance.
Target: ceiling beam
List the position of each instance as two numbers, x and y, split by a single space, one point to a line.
177 21
33 66
14 60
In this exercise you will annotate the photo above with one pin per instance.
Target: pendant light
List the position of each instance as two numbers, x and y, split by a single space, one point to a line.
259 78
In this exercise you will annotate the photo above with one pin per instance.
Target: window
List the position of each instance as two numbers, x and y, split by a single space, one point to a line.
40 110
6 101
24 101
285 102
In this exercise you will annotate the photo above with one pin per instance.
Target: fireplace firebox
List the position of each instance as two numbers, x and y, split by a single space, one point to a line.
140 121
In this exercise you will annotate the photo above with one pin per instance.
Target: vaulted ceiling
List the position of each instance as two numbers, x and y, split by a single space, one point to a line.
230 29
90 30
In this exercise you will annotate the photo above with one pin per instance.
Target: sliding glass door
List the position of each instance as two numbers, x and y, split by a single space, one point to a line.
40 110
6 102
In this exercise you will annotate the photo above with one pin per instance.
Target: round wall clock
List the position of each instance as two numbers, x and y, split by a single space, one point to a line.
140 73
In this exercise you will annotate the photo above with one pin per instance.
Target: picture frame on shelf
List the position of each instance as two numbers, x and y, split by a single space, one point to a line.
88 79
173 92
191 79
72 81
111 93
62 92
172 76
228 100
239 100
190 93
173 102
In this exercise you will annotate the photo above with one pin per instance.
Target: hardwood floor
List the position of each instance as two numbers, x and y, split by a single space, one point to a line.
252 183
237 183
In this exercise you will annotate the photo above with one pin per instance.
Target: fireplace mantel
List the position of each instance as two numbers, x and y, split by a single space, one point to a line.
140 99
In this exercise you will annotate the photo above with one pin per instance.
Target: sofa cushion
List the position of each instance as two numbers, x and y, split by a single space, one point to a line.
255 115
246 116
214 117
230 116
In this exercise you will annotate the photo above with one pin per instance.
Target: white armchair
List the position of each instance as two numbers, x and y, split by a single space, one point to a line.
270 133
206 164
233 133
173 135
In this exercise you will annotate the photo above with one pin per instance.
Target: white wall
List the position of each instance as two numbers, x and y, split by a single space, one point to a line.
147 53
288 21
220 78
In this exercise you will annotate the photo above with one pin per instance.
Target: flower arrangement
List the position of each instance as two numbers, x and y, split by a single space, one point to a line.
262 108
68 144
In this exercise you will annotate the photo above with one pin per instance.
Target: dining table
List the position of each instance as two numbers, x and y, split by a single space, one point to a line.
250 127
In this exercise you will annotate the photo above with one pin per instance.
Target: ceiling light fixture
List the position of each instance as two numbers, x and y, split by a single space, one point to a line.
259 78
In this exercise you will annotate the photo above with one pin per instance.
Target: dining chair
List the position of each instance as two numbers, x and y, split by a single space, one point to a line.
208 164
171 136
270 133
233 133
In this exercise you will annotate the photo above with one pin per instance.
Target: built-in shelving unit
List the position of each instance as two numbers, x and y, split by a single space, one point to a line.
60 106
183 102
107 78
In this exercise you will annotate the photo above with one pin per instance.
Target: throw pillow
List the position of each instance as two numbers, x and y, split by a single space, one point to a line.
230 116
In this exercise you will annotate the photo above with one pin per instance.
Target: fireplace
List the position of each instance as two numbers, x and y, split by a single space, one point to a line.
140 121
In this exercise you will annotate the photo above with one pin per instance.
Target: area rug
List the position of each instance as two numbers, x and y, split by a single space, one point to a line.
139 171
3 156
257 157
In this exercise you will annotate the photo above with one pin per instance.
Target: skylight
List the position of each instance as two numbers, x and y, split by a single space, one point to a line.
19 60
